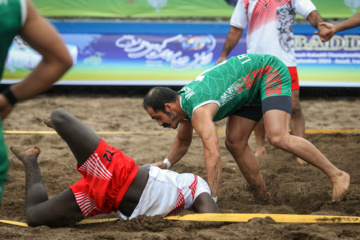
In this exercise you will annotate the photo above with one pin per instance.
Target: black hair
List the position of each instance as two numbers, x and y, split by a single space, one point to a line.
158 96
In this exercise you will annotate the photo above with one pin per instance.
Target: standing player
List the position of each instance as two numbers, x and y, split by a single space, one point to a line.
111 182
19 17
244 88
270 31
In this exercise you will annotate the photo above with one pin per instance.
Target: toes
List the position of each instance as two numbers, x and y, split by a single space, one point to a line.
48 123
20 152
16 150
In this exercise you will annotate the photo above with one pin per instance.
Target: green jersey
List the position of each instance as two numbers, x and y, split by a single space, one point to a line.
243 80
12 14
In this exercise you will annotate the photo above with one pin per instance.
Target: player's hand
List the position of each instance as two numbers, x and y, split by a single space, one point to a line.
5 107
161 165
326 31
220 60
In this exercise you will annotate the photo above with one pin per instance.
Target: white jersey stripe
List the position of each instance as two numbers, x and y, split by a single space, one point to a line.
94 167
86 204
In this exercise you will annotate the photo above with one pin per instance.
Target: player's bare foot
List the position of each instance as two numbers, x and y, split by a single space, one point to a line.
260 153
48 123
30 154
301 162
262 194
341 184
264 197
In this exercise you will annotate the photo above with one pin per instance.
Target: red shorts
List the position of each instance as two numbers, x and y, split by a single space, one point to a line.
107 175
294 78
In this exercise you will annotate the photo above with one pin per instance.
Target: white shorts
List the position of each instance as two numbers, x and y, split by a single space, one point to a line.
167 193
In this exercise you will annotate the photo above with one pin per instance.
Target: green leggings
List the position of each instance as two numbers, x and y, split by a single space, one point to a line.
4 162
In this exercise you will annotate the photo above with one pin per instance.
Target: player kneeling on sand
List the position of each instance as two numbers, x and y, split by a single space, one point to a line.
111 182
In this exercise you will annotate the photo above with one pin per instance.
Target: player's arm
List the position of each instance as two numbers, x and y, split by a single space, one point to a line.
331 29
56 60
315 19
352 22
180 145
232 39
205 128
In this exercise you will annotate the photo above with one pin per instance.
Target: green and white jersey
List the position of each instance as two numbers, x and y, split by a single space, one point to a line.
13 15
243 80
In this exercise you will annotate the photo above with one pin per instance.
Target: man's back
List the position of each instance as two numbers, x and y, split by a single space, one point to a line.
231 84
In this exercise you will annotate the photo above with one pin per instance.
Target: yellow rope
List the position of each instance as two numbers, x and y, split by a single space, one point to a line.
279 218
19 132
233 217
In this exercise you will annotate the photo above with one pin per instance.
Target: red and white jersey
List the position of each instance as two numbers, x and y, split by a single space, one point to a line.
271 24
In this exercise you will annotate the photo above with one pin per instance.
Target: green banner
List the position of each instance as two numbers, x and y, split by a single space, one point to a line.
134 8
171 8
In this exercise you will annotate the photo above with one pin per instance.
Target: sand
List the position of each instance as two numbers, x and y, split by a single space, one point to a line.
296 189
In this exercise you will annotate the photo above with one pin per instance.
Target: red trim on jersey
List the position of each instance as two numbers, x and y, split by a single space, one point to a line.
263 13
180 204
193 187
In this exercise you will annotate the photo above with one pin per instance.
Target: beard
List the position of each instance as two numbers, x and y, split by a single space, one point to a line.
173 118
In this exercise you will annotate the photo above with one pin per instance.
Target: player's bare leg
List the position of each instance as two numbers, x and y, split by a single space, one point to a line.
260 139
73 132
35 190
204 203
297 122
276 122
61 210
238 131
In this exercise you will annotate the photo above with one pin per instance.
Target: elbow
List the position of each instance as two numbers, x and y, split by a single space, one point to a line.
65 61
68 62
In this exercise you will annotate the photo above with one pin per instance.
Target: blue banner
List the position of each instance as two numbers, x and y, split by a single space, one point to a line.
174 54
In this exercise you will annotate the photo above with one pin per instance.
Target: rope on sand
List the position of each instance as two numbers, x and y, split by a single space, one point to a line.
19 132
234 217
82 222
278 218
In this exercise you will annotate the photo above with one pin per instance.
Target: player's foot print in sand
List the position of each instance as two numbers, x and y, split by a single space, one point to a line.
26 156
340 187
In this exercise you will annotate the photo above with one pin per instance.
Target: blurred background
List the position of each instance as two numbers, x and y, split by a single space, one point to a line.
127 46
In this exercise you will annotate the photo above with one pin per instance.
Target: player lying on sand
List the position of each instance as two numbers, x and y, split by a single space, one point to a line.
111 182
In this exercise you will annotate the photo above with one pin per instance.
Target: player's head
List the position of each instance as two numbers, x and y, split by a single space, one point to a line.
158 103
157 97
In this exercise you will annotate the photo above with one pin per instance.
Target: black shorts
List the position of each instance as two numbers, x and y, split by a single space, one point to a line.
255 113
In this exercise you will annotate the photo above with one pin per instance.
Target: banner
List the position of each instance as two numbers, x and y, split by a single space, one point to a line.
123 54
135 8
331 64
171 8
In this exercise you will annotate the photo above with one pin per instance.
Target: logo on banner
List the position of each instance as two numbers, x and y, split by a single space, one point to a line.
180 52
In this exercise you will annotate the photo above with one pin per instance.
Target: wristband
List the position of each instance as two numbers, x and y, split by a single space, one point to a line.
215 199
168 163
9 96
